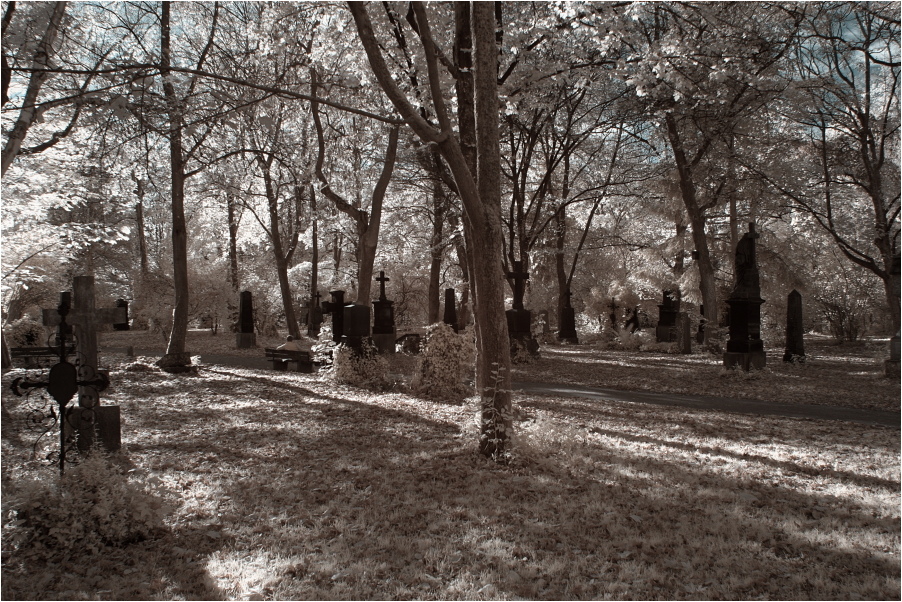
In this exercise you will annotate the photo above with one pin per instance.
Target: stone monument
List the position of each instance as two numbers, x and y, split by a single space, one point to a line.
745 347
335 307
567 323
122 325
356 325
668 312
246 338
795 330
384 332
450 315
519 319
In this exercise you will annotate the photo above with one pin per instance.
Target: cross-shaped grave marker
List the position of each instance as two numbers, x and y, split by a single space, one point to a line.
86 318
382 280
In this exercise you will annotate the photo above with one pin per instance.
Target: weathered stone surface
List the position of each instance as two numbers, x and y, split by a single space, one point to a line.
745 308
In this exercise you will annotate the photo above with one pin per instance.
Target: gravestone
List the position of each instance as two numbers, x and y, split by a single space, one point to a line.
668 313
567 323
891 367
316 317
89 417
795 330
304 313
745 348
335 308
122 325
355 325
684 332
450 315
519 319
246 338
384 332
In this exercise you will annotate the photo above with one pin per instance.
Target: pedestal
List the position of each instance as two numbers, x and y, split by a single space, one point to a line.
91 424
385 343
246 340
567 332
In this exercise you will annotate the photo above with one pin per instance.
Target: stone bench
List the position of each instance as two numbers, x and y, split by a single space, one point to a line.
281 358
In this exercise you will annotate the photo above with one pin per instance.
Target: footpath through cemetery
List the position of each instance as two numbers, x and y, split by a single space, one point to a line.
478 301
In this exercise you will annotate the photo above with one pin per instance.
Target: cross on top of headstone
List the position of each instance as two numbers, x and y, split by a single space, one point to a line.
520 277
382 280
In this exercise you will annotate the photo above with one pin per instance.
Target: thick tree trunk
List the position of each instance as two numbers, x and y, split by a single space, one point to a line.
139 226
40 64
234 278
708 283
436 248
176 358
560 237
313 328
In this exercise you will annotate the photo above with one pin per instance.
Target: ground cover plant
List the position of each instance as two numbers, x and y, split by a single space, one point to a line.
290 486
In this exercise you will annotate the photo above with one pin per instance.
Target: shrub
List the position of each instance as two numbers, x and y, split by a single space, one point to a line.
447 360
26 332
361 368
94 505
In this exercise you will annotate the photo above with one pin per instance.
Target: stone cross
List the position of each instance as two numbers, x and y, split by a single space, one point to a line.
520 277
382 280
86 318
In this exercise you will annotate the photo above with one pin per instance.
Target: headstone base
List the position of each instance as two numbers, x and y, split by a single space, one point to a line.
246 340
891 368
385 343
746 361
91 424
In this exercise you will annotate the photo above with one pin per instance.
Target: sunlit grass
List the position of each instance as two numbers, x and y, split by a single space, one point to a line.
290 487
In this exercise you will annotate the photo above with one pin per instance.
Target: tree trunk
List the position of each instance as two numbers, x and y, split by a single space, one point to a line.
436 250
176 359
708 283
139 226
313 328
40 64
278 249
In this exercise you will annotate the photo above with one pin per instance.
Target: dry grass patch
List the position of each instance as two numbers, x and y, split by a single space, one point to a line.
290 487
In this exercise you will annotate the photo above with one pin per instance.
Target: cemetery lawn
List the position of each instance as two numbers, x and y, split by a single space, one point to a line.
288 486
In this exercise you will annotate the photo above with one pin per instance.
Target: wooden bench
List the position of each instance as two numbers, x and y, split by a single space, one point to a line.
32 353
281 358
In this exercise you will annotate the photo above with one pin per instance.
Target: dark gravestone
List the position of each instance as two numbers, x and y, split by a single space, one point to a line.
304 313
891 366
668 312
122 325
519 319
567 324
384 332
795 331
335 308
246 338
745 347
450 315
316 317
356 325
684 332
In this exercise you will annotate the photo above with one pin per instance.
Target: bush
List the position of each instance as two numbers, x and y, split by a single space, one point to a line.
447 360
94 505
26 332
361 368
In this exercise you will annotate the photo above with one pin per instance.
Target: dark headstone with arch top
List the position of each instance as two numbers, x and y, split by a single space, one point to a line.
795 330
246 338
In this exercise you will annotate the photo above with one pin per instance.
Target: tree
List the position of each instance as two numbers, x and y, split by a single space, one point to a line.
479 189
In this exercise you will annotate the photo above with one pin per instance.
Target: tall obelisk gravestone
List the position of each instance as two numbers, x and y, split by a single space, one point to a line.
745 347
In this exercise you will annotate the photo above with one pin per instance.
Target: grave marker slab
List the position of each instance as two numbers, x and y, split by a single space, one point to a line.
384 332
745 347
795 330
519 319
246 337
668 313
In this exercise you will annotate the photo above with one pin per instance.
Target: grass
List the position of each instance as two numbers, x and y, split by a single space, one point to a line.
288 486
